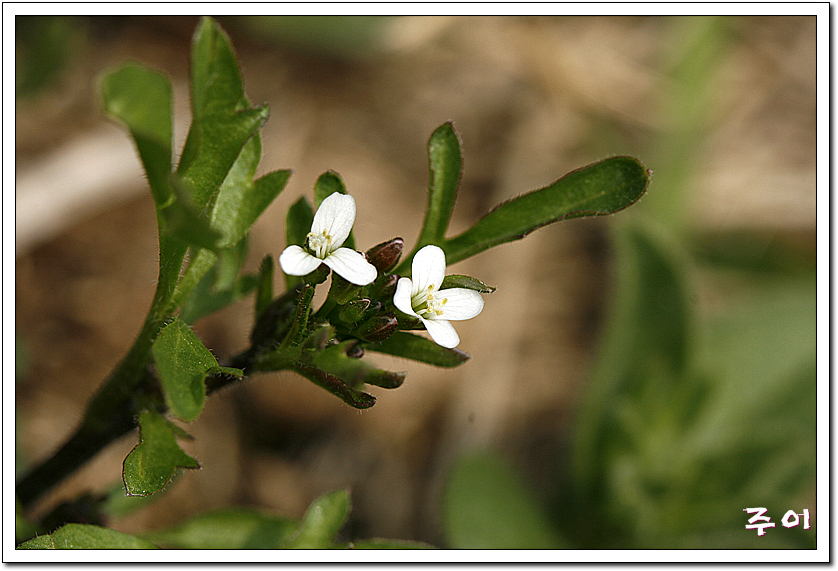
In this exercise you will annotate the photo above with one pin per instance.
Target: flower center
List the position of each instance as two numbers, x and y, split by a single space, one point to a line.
425 304
319 244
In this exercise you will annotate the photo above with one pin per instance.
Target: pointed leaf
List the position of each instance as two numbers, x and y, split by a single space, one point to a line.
322 521
142 99
409 346
216 79
182 362
354 372
334 385
84 536
601 188
466 282
156 459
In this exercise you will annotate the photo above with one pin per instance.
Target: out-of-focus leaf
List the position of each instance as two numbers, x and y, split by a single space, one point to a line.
321 522
155 460
378 543
237 528
204 300
410 346
486 506
264 286
467 282
182 362
297 226
216 79
142 99
601 188
327 184
83 536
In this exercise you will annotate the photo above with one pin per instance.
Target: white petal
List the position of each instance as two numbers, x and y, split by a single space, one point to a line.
352 266
428 268
442 332
335 216
297 262
401 299
462 303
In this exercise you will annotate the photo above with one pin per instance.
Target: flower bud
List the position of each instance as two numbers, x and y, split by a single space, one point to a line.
354 310
384 287
386 255
342 290
377 327
317 276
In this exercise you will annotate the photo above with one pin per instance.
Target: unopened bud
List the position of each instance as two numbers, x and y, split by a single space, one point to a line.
384 287
386 255
342 290
377 327
354 310
317 276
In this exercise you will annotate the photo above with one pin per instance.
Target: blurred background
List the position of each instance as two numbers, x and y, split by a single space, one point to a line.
636 380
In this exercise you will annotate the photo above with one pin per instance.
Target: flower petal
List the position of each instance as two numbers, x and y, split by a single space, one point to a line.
462 303
442 332
297 262
402 297
335 216
351 265
428 268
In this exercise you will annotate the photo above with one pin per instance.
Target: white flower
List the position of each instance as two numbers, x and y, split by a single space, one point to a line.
422 298
329 229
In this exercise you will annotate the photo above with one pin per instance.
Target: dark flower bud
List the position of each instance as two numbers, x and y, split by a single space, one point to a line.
377 327
354 351
384 287
386 255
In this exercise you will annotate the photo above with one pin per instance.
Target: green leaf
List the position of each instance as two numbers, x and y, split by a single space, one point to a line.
182 362
321 522
264 286
83 536
327 184
467 282
235 528
336 386
410 346
445 164
486 506
155 460
216 79
142 100
601 188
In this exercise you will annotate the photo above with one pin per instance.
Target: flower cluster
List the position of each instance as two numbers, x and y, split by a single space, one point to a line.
420 297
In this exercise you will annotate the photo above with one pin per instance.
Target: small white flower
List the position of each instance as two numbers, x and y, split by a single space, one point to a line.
422 298
329 229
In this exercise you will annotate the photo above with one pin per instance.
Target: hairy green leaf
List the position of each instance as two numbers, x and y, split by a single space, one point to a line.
155 460
84 536
466 282
410 346
142 99
445 163
601 188
182 362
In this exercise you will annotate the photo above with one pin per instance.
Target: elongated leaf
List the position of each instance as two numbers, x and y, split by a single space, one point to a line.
142 99
216 79
156 459
466 282
445 164
83 536
206 300
321 522
182 362
264 286
601 188
410 346
334 385
237 528
354 372
487 506
327 184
